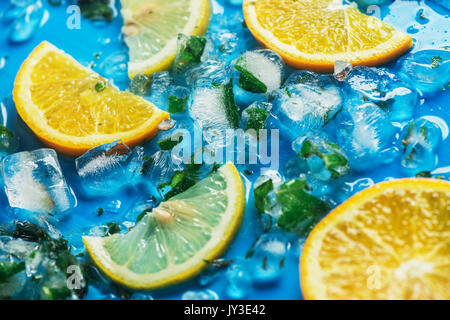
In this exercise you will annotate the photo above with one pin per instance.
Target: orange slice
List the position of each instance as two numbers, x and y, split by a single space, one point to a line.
313 34
390 241
73 109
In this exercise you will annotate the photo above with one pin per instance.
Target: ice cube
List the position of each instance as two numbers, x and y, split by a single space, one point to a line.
385 89
239 279
159 89
27 23
162 166
106 169
421 138
307 78
260 71
301 108
341 70
200 295
428 70
367 136
34 182
115 67
206 73
256 117
214 112
324 159
268 255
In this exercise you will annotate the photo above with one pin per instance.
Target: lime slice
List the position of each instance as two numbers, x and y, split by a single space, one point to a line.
151 28
174 242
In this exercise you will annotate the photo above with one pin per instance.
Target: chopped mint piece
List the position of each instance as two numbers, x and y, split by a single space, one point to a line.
435 61
169 143
5 132
247 80
57 251
55 2
112 228
140 84
176 104
51 293
231 108
180 182
10 268
257 119
100 86
262 202
96 9
300 210
147 161
424 174
183 180
288 92
335 161
142 215
190 50
423 132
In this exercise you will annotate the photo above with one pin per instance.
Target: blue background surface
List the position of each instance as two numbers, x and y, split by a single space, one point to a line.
84 43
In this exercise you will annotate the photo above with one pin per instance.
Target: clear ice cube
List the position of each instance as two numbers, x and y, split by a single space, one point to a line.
34 182
304 107
384 88
239 279
428 70
366 135
421 138
268 257
106 169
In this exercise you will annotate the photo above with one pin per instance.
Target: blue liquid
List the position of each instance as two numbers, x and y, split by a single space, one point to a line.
90 39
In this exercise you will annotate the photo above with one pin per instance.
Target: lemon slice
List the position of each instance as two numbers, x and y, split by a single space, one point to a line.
390 241
151 28
313 34
73 109
173 242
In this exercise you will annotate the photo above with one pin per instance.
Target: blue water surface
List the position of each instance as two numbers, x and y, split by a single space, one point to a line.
93 42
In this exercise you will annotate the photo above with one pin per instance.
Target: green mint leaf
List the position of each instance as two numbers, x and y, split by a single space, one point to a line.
335 161
300 210
96 9
247 80
10 268
5 132
190 50
424 174
169 143
435 61
261 193
112 228
257 119
147 162
231 109
142 215
100 86
176 104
